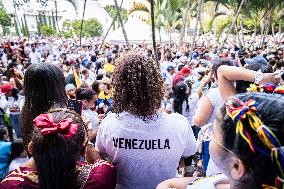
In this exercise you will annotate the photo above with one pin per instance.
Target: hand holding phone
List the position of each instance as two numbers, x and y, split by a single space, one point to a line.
75 105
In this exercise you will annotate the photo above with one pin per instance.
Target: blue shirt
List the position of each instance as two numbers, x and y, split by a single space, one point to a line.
5 150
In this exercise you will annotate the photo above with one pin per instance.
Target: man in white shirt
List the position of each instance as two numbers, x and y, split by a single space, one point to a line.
88 98
34 56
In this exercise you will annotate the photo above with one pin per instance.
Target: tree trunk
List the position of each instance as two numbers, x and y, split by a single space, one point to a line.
238 36
200 3
242 31
280 26
273 31
255 28
56 17
184 23
104 38
26 27
280 30
111 25
121 22
231 27
160 37
267 15
153 31
82 22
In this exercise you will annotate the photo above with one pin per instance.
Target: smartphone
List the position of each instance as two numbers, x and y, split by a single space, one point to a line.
75 105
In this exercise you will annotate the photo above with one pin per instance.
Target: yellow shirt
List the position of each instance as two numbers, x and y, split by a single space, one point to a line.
109 68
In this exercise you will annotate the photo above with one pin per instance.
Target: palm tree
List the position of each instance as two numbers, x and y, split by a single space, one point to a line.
73 2
200 4
167 13
153 30
121 22
108 30
184 22
232 24
82 22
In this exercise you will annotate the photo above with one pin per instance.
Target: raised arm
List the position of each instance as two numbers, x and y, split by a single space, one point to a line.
228 74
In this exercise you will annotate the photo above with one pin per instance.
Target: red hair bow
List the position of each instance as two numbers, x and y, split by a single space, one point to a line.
45 123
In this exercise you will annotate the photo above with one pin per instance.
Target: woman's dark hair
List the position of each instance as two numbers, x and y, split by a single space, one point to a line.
17 148
93 58
241 86
100 77
138 85
272 62
44 88
56 157
279 64
242 61
217 62
261 170
3 132
180 67
95 86
85 94
179 97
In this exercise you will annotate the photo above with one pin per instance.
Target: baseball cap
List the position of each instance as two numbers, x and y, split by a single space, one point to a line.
70 87
170 68
6 88
185 70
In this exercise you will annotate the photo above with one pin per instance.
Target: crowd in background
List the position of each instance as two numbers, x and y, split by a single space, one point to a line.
135 122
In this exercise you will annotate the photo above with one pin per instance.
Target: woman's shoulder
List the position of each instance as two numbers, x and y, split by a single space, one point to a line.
21 178
102 175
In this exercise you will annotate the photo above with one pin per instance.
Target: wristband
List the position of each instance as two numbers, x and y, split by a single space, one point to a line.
258 77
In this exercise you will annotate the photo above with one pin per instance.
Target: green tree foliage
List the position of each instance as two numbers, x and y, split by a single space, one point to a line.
5 19
111 10
91 28
67 29
47 30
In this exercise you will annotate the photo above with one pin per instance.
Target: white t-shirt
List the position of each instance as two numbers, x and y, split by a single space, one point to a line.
91 118
145 153
34 56
207 182
192 103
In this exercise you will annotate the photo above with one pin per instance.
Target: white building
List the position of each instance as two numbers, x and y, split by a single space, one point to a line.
65 11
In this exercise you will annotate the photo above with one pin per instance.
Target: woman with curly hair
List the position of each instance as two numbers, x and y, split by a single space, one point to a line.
144 143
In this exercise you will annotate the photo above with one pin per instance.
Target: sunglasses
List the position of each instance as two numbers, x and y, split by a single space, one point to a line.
210 137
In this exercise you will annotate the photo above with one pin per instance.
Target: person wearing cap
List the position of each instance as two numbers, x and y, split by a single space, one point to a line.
70 91
10 107
105 97
181 75
6 91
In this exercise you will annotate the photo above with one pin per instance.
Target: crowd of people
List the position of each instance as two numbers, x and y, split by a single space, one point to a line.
111 116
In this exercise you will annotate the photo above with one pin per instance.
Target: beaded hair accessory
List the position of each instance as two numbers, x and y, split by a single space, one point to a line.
238 111
267 88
